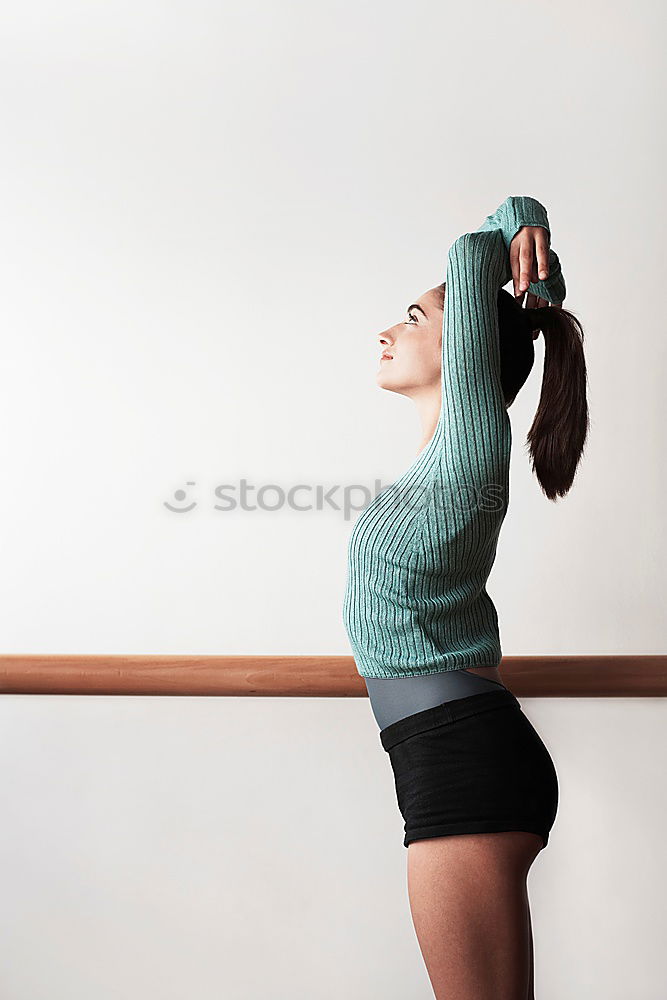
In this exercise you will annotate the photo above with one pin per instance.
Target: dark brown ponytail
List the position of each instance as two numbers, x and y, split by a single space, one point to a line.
557 435
559 430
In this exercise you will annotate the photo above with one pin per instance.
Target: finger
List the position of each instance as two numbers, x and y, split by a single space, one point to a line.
525 264
514 264
542 254
534 276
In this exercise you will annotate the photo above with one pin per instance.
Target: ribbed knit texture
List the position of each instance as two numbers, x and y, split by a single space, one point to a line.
420 553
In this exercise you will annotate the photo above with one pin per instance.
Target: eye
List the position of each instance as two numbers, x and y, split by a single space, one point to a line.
412 317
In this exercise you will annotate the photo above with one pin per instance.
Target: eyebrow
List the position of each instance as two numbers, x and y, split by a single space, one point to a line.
415 306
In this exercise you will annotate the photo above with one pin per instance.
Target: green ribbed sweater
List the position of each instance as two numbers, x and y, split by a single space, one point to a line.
420 554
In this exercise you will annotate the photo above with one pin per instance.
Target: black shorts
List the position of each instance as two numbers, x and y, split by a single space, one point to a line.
472 765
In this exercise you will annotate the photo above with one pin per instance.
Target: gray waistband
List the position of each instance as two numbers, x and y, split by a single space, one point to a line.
449 711
394 698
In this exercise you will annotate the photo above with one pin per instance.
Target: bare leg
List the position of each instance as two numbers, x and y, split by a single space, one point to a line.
531 984
469 905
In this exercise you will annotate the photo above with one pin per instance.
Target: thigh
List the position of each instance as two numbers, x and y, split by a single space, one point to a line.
506 855
469 905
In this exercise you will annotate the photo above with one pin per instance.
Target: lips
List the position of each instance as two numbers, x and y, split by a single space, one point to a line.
386 357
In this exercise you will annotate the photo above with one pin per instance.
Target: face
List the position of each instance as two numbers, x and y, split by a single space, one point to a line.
412 349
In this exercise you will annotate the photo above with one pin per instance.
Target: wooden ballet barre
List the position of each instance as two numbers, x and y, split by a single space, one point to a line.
310 676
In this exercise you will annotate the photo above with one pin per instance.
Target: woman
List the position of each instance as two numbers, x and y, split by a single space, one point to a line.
475 784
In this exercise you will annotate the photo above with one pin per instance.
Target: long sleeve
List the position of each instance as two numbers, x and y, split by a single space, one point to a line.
477 431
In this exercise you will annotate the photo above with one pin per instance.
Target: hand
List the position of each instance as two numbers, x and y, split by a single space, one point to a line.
529 257
529 260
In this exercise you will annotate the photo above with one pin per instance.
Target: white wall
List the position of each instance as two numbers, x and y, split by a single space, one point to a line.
208 214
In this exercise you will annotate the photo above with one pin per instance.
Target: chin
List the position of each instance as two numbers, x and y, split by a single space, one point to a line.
386 383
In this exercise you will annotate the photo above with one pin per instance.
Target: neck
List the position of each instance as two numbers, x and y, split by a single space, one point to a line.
429 412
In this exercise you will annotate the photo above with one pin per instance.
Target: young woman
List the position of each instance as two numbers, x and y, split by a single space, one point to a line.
475 784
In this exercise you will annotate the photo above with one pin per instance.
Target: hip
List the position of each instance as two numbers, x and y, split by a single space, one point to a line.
472 765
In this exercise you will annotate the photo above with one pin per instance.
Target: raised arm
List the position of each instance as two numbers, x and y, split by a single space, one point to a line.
477 430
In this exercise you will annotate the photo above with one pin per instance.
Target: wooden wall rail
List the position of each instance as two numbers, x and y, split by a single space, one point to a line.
311 676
